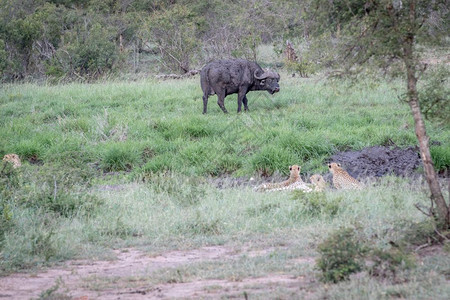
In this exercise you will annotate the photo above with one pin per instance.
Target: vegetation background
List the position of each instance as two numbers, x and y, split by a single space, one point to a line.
84 40
116 158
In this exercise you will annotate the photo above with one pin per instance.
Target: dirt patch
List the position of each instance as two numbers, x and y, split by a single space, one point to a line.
219 289
129 277
379 161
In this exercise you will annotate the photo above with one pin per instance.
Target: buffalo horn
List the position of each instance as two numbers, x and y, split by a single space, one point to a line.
266 74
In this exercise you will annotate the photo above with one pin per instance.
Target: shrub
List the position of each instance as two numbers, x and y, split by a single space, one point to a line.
341 254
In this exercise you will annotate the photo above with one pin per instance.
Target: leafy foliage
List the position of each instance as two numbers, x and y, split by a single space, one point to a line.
435 95
340 255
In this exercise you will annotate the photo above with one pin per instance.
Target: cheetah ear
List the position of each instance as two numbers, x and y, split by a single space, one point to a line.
329 166
290 168
339 164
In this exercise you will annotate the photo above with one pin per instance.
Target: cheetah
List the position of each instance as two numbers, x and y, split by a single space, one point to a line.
294 182
341 179
13 159
319 183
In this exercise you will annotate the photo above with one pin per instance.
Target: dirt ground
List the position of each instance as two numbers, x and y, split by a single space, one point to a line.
124 278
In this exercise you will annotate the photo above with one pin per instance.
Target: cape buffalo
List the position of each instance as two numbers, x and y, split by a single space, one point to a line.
225 77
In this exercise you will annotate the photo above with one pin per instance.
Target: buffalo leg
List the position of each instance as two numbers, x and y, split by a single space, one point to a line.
205 103
245 101
221 101
241 97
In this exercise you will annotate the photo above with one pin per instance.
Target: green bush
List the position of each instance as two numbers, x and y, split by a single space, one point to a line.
341 254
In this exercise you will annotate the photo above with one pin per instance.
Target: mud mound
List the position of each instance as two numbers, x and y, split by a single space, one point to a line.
379 161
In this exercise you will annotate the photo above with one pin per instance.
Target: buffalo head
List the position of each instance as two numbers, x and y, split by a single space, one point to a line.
268 81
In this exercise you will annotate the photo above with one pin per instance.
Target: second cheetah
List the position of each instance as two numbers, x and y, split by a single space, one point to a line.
319 183
294 182
341 179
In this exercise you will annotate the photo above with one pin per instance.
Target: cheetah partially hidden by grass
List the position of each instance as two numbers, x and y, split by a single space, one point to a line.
341 179
294 182
319 183
13 159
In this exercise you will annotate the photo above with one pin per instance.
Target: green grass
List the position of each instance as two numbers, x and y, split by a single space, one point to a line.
113 123
120 164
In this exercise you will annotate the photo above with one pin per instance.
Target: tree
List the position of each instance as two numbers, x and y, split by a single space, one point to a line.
386 30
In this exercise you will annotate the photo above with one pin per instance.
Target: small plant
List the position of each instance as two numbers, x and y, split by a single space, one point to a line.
341 254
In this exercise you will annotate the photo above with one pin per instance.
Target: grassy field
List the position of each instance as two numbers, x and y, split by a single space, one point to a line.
134 164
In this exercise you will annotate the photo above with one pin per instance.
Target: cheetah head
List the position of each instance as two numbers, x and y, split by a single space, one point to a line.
334 166
295 170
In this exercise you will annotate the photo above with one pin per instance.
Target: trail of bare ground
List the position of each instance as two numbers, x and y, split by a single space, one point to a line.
127 277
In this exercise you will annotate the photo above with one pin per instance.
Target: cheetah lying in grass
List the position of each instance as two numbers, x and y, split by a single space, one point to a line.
294 182
341 179
13 159
319 183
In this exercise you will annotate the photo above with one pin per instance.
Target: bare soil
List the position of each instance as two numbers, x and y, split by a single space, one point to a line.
129 277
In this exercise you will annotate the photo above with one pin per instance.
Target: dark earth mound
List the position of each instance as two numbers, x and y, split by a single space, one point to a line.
379 161
374 161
